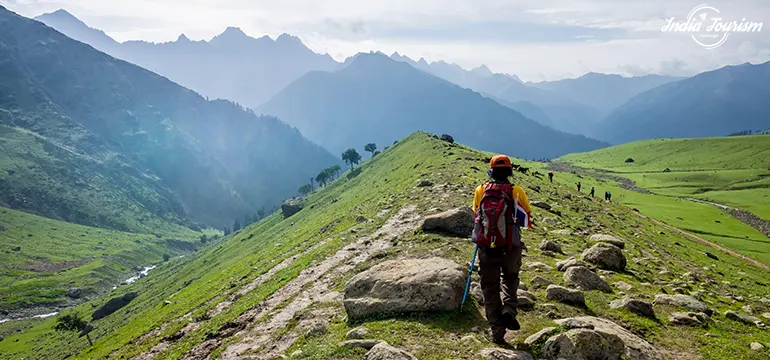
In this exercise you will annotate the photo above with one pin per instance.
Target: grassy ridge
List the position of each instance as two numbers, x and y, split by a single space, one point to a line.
194 284
53 256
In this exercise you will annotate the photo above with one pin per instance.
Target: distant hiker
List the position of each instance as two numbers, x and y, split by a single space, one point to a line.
606 196
578 186
592 191
609 196
550 176
501 209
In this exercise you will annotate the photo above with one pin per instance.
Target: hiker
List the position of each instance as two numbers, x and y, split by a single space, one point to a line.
606 196
592 191
499 244
550 176
609 196
578 186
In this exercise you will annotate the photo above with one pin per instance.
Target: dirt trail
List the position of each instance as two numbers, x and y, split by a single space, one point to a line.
310 286
709 243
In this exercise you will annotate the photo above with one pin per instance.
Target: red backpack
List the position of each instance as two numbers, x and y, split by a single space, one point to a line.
494 218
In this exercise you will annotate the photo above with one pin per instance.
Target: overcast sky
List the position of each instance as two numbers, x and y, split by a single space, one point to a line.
535 40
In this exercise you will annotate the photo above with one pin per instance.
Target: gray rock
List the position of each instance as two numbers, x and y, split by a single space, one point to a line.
610 239
316 329
606 256
635 306
448 138
409 285
684 301
292 206
364 344
476 293
525 303
755 346
538 282
424 183
547 245
621 285
504 354
688 318
566 264
564 295
74 293
539 337
542 205
458 222
358 333
16 248
586 279
746 319
384 351
636 348
583 344
537 266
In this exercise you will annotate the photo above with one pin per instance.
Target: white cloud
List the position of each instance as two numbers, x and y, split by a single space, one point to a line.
580 35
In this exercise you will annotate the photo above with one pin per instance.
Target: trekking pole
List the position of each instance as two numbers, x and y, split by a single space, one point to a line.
470 272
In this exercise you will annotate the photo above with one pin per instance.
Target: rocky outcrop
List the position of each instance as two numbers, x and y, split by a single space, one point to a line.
400 286
113 305
384 351
292 206
636 306
609 239
606 256
458 222
585 279
583 344
564 295
684 301
636 348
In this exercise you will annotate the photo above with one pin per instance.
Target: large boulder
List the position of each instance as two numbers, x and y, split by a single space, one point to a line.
292 206
636 306
606 256
610 239
636 348
564 295
583 344
410 285
384 351
113 305
585 279
504 354
684 301
458 222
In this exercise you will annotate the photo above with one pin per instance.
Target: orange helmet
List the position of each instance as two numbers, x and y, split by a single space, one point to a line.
500 161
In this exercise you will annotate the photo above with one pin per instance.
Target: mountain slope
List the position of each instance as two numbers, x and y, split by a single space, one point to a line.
103 137
714 103
376 99
257 294
230 66
604 92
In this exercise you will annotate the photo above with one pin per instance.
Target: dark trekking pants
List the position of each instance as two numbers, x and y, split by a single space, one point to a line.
495 264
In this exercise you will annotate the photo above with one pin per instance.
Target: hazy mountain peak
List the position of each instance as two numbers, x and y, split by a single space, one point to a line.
183 38
231 34
422 61
288 38
482 70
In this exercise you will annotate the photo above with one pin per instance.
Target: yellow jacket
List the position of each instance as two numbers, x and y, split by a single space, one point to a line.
518 194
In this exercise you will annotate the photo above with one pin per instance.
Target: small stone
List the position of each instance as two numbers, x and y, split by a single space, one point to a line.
606 256
538 266
470 339
384 351
623 286
635 306
564 295
566 264
608 239
539 282
688 319
755 346
586 279
296 354
712 256
424 183
574 323
746 319
358 333
539 337
316 329
547 245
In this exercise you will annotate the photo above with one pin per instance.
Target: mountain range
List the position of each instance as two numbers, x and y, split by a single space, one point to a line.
377 99
91 139
231 65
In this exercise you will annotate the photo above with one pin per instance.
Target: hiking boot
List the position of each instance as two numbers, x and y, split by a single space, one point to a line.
499 339
509 319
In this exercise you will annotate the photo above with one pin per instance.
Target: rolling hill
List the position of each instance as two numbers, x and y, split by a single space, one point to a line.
277 288
714 103
376 99
232 65
94 140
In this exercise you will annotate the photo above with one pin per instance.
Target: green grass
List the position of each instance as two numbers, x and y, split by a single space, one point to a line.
55 255
196 283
